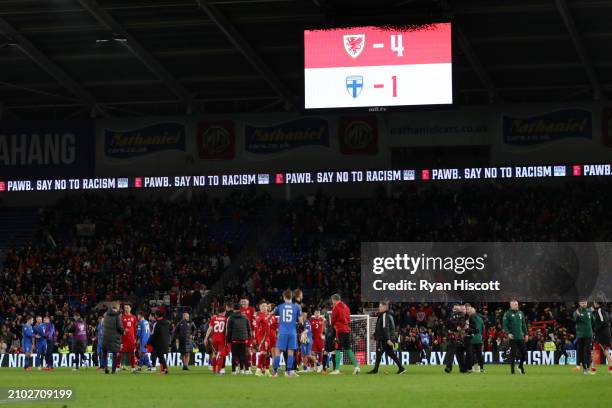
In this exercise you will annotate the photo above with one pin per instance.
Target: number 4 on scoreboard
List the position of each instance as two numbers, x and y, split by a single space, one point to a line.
396 44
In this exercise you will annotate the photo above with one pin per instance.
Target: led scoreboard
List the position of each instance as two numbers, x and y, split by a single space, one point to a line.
378 66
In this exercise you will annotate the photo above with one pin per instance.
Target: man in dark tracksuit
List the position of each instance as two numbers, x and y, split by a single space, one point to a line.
601 327
160 341
470 329
184 332
457 325
475 346
330 347
238 334
515 326
51 341
111 334
384 334
584 334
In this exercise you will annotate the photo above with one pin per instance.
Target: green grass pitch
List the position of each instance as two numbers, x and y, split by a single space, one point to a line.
428 386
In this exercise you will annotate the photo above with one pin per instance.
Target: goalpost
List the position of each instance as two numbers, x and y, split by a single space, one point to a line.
362 330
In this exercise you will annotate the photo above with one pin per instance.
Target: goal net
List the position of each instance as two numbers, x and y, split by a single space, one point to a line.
361 339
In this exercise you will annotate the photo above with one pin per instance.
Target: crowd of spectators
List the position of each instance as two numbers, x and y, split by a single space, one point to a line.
144 250
159 253
321 252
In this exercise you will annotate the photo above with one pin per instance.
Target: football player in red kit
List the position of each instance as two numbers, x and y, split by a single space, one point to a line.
317 325
273 329
262 339
216 328
249 312
128 340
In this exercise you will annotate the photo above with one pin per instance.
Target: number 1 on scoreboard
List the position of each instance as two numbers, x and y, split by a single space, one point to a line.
394 86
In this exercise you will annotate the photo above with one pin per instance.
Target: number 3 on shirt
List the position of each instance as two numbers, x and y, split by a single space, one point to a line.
287 315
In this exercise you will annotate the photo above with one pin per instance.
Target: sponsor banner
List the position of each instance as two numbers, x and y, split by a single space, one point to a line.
216 139
358 134
310 177
413 357
426 125
438 358
547 127
121 144
287 135
91 360
485 271
53 148
606 127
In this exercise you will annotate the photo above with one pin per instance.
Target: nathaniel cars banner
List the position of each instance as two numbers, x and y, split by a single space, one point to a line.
127 143
547 127
51 149
287 135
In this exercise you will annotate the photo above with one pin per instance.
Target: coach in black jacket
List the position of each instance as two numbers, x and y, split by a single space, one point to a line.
238 334
457 326
384 335
184 332
160 341
111 334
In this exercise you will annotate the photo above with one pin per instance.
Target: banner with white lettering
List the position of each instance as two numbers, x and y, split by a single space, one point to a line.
535 357
407 357
51 148
308 177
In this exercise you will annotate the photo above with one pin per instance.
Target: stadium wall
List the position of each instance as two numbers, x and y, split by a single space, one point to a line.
516 134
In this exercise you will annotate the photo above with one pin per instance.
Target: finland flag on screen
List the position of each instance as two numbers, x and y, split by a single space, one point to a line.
559 171
263 179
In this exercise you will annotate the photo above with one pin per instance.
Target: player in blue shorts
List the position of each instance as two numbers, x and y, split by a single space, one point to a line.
306 342
27 339
40 334
142 337
288 314
102 363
